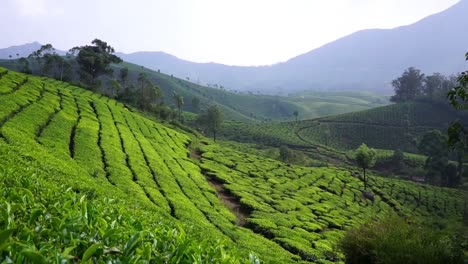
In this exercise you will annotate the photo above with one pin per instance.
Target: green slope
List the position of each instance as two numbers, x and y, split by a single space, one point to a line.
72 142
251 107
397 126
248 107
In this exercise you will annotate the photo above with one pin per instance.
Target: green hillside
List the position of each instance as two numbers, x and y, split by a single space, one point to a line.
246 107
84 177
397 126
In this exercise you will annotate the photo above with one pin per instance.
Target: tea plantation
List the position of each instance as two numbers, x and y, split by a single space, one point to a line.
84 178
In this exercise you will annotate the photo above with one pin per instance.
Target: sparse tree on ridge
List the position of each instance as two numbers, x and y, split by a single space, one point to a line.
115 87
148 94
196 104
212 119
123 76
409 86
365 159
24 66
179 102
94 61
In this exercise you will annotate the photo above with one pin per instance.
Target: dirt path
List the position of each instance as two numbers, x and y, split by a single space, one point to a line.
231 202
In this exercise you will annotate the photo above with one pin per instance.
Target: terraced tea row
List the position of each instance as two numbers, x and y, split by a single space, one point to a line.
397 126
144 160
68 136
307 211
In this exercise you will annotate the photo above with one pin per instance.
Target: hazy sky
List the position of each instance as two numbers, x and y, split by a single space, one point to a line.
236 32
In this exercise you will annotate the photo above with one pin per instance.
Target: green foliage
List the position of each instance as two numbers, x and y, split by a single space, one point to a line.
285 154
212 119
94 60
69 143
308 210
392 240
43 223
365 159
457 132
409 86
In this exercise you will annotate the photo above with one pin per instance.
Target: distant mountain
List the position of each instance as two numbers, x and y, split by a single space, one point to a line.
365 60
22 50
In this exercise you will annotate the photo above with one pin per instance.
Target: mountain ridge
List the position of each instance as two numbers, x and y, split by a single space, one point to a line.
365 60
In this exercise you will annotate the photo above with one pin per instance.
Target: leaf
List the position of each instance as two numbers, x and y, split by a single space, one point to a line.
109 233
5 235
67 251
34 215
91 251
132 244
34 256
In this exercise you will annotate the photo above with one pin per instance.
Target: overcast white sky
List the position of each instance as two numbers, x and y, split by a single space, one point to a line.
235 32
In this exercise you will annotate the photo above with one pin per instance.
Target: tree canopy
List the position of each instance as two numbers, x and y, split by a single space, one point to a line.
94 60
408 86
365 159
212 119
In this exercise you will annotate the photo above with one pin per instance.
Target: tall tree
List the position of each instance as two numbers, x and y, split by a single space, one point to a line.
42 58
433 84
285 154
179 102
123 76
296 114
433 145
24 66
212 119
196 104
94 61
148 94
365 159
409 86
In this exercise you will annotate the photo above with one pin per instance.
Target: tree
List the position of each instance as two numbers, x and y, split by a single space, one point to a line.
179 101
398 159
212 119
365 159
123 76
458 98
147 93
285 154
432 84
433 145
24 66
115 88
94 61
296 114
409 86
196 104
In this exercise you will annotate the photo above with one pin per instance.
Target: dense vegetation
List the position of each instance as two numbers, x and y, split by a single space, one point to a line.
93 66
74 162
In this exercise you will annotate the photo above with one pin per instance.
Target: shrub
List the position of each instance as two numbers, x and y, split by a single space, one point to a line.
392 240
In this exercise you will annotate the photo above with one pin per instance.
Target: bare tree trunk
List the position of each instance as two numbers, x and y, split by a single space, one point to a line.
365 180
